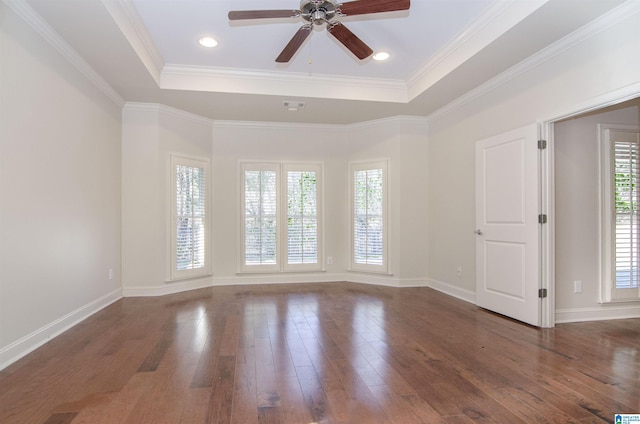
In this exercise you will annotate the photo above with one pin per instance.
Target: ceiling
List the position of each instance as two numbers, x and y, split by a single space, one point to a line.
147 51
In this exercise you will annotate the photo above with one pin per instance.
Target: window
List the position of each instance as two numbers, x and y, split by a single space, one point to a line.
302 216
260 218
276 226
621 226
189 218
369 217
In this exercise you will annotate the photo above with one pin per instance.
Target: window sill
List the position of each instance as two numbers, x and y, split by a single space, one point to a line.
288 271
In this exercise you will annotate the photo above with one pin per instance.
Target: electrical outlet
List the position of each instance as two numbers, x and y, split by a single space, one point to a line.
577 286
459 271
329 260
110 273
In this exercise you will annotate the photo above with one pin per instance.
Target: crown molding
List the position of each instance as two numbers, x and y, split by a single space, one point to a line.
126 16
577 37
35 21
266 125
259 125
419 121
500 17
167 110
230 80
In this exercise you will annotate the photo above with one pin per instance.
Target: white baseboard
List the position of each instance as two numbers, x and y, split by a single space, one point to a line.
34 340
171 287
374 279
350 277
413 282
599 313
238 280
451 290
257 279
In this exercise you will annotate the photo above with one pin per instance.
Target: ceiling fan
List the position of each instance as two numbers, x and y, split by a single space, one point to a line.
320 12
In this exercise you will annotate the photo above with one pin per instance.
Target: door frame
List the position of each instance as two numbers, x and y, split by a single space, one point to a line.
547 188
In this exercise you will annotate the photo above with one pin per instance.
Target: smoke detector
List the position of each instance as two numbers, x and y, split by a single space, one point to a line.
293 105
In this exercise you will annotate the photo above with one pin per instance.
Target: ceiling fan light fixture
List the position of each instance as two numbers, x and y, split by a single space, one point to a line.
381 56
207 42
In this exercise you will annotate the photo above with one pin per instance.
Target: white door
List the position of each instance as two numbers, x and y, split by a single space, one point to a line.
507 228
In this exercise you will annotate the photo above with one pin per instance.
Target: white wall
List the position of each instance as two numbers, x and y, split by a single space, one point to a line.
146 190
604 61
151 133
237 141
403 141
59 192
577 209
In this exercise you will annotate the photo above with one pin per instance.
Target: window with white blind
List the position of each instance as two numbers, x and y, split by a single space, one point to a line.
260 217
369 216
189 218
621 226
302 216
282 223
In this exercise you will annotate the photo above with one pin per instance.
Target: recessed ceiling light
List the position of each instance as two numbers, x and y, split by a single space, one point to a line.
381 56
207 42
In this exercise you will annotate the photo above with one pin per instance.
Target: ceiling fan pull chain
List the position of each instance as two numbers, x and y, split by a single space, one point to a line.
310 61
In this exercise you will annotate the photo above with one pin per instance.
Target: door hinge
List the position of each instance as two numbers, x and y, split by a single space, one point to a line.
542 218
542 144
542 293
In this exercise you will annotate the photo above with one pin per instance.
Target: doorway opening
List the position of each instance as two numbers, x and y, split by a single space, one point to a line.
570 188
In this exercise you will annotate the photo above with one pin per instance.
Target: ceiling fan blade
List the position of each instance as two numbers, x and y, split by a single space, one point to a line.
294 44
363 7
350 40
262 14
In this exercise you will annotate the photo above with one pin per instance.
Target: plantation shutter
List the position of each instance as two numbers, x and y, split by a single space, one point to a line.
260 218
189 217
368 219
302 217
627 228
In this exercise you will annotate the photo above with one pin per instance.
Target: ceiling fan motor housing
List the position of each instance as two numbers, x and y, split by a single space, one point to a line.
318 12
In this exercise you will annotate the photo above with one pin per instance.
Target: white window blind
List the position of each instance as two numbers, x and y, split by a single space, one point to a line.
260 219
620 230
369 216
302 217
627 241
189 217
281 232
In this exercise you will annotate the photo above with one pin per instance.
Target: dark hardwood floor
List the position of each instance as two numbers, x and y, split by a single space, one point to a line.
322 353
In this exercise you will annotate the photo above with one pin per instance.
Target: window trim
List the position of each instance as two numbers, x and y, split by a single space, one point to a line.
608 292
195 162
355 166
281 169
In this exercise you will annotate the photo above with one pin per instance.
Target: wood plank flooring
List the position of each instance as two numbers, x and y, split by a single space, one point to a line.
322 353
